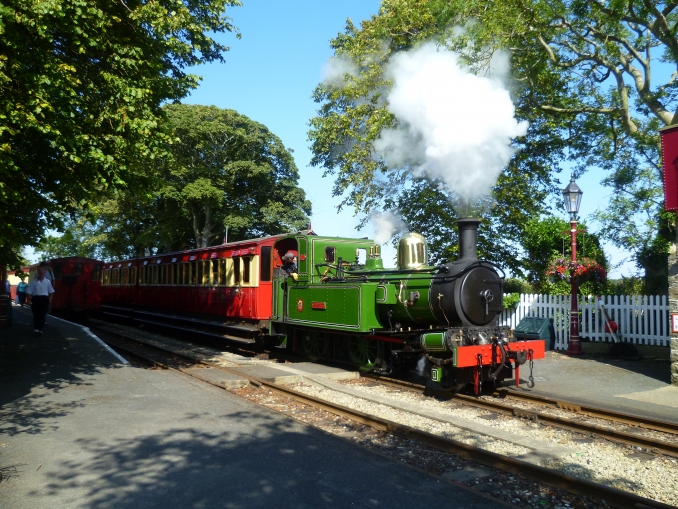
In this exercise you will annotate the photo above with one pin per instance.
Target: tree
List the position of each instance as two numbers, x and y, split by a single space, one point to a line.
81 86
221 169
353 115
584 76
621 60
548 237
230 171
77 240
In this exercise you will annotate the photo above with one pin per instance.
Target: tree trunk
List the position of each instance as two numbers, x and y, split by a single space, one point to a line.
207 230
196 230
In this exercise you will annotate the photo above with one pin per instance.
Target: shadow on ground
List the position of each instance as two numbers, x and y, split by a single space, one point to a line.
32 367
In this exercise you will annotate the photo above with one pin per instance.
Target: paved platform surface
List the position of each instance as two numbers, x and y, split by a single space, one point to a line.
79 429
640 387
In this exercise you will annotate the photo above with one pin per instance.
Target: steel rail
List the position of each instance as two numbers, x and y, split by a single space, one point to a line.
612 496
611 415
656 446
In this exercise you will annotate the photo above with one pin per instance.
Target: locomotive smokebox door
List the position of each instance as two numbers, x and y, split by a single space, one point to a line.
481 295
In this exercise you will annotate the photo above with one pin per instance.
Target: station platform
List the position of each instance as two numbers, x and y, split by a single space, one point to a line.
79 428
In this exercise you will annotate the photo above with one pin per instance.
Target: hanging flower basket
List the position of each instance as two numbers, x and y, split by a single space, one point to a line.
583 271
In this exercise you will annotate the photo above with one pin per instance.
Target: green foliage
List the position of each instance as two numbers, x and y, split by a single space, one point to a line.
221 169
547 238
511 300
626 286
517 285
81 86
79 238
586 79
228 170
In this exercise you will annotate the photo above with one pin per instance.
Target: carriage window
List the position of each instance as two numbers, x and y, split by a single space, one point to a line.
177 279
215 272
206 274
77 269
106 277
330 253
96 272
246 266
133 275
185 273
116 277
266 263
236 272
125 276
197 273
222 271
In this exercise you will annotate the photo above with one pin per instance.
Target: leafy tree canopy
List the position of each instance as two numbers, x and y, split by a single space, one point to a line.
221 170
230 171
548 237
594 79
81 84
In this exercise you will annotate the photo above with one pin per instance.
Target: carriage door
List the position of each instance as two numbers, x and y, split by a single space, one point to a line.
302 259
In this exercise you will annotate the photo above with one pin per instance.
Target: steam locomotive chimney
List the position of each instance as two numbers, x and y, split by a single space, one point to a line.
468 239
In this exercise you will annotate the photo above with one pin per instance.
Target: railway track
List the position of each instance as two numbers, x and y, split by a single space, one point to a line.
182 362
650 444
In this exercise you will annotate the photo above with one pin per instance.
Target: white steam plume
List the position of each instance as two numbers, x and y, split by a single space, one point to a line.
385 224
454 126
335 70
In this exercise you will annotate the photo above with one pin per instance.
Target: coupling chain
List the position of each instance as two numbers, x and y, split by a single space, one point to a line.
530 357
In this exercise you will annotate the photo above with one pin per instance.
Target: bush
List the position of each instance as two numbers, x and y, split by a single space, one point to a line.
517 285
510 300
626 286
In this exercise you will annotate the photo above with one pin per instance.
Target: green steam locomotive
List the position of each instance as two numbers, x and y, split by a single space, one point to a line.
341 303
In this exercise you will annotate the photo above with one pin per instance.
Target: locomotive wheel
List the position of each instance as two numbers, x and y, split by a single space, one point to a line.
363 352
314 345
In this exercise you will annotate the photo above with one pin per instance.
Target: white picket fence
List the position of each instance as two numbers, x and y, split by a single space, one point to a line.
642 319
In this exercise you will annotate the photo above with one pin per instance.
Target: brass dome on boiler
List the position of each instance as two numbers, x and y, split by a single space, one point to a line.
412 251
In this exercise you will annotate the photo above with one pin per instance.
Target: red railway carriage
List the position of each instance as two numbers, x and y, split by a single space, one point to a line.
233 281
77 285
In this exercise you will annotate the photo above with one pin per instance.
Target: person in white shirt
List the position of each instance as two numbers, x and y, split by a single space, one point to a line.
39 293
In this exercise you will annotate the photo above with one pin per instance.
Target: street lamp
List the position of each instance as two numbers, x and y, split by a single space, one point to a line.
572 195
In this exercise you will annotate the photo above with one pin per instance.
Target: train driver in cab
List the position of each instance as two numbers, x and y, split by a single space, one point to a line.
290 265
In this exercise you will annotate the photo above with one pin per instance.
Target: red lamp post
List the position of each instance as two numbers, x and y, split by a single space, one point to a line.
572 195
